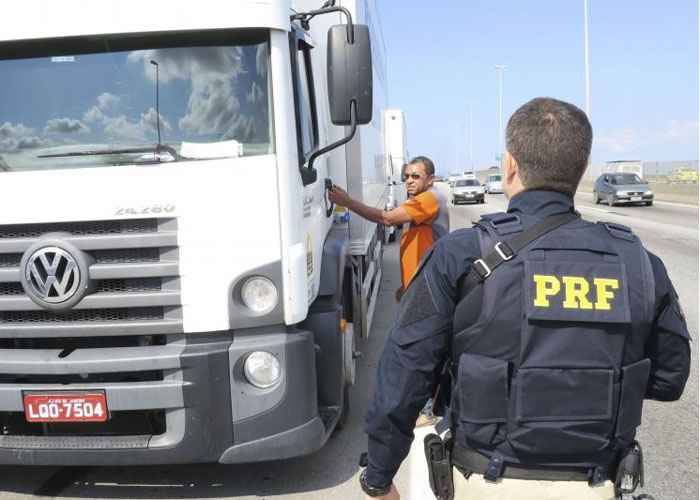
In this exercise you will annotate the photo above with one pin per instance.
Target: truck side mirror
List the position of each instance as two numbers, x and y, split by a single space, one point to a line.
349 74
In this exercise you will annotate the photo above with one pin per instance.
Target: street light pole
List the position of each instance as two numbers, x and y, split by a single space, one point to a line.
500 68
471 139
585 52
154 63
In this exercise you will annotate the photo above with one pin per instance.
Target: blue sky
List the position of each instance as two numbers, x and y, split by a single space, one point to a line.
643 59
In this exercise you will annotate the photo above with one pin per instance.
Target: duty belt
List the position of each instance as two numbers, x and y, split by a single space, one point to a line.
470 461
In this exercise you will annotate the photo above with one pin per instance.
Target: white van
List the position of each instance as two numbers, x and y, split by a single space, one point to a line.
493 183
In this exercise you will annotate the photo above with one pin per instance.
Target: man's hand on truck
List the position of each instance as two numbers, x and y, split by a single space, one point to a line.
391 218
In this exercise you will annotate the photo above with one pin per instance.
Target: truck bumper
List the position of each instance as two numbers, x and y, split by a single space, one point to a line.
206 409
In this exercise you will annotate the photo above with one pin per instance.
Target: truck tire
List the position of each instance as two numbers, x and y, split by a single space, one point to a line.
345 411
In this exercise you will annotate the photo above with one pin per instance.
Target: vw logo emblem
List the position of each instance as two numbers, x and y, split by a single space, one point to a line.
52 275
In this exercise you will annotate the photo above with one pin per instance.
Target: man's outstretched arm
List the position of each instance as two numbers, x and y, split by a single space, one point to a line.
388 218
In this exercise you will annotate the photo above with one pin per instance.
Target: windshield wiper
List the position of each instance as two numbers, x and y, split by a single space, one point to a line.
103 152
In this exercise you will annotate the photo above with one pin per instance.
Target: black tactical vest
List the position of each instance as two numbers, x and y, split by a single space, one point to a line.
553 370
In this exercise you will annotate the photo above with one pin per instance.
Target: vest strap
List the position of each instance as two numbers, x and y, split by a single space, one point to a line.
503 251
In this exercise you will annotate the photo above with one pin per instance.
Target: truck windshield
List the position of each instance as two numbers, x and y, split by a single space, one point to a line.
79 110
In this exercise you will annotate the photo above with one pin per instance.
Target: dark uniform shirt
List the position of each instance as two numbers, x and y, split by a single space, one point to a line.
421 335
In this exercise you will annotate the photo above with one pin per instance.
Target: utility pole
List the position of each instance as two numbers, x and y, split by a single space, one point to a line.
500 68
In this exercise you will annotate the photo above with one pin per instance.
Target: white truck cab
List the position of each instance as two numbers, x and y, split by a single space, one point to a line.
494 183
173 287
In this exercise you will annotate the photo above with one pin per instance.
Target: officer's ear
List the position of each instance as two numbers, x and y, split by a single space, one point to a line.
510 167
512 183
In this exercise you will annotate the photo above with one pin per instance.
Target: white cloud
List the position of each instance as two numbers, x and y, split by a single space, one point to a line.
255 95
107 101
242 129
94 114
149 121
212 105
187 63
120 128
65 126
620 140
7 130
681 131
18 137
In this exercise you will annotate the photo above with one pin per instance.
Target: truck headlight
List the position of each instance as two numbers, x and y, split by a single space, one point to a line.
648 192
262 369
259 294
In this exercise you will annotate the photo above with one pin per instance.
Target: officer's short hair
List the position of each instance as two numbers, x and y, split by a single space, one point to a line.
551 141
427 163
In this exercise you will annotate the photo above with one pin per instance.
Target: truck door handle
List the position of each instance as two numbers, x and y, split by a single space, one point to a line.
328 185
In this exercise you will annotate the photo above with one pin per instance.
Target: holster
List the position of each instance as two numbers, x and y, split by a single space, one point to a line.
437 455
630 470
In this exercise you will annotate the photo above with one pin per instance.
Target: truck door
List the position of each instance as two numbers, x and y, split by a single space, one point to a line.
315 223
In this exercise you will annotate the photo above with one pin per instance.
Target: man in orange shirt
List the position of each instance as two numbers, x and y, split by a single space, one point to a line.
425 210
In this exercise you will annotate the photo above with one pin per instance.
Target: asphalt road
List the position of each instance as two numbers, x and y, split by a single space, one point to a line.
669 431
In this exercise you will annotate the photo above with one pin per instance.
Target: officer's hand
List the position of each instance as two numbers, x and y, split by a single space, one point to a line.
392 495
338 196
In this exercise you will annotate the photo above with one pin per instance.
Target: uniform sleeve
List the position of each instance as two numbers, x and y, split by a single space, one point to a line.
422 208
415 351
668 346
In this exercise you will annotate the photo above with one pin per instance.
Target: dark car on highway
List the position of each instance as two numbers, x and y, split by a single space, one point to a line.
614 188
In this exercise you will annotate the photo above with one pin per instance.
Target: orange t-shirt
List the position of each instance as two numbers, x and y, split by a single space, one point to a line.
422 209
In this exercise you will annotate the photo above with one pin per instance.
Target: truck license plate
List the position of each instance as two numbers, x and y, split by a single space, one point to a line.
636 198
66 407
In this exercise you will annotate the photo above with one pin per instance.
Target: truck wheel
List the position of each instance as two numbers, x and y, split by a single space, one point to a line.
649 203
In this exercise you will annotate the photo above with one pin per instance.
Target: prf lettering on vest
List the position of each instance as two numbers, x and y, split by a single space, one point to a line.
576 291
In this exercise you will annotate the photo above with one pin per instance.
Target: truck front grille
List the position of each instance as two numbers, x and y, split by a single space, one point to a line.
134 279
86 316
82 228
145 423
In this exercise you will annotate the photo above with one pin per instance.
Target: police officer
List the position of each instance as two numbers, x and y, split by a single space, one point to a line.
552 330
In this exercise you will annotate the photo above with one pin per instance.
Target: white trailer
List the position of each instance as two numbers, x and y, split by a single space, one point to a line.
624 166
173 287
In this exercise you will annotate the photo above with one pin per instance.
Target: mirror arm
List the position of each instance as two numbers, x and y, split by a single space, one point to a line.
305 17
310 172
